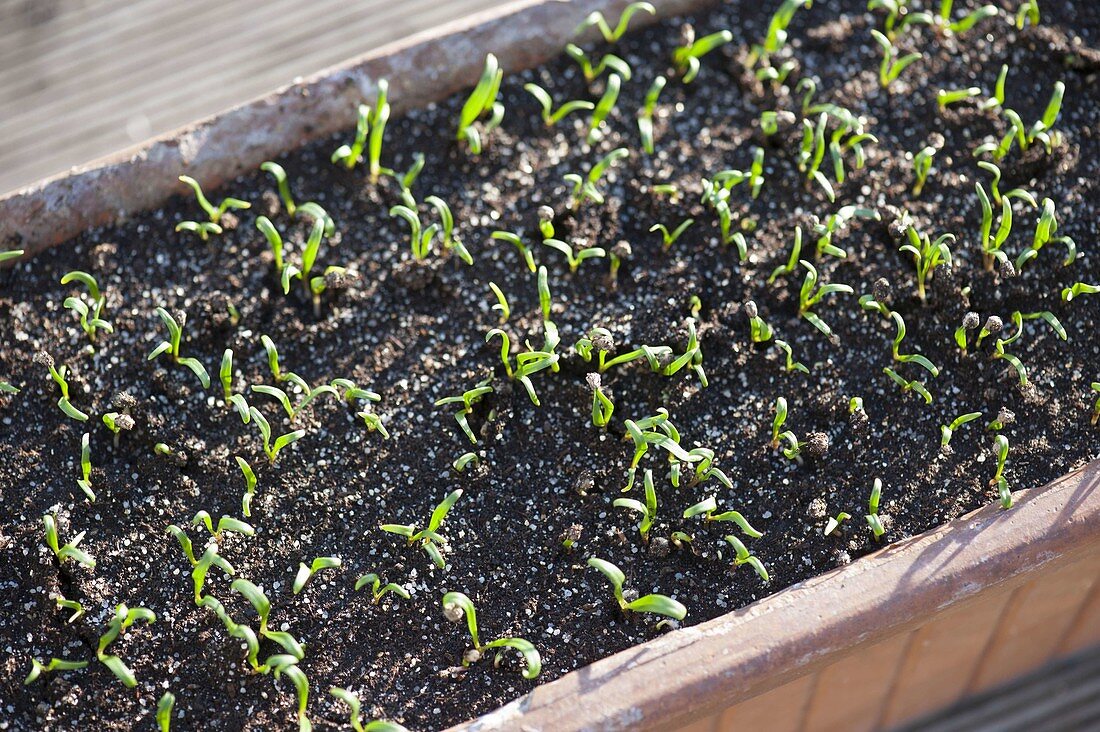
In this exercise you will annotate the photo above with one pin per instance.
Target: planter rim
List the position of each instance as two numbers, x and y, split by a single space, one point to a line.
666 681
701 669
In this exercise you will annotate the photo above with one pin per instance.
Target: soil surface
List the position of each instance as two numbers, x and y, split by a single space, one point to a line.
415 333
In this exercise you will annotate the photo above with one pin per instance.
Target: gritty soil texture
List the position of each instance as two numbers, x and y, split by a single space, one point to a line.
329 492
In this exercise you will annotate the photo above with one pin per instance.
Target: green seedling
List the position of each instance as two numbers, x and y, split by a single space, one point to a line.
123 618
654 603
1000 449
457 606
647 510
834 522
91 316
872 510
75 605
686 58
708 509
250 485
214 212
645 114
792 261
306 571
669 237
909 358
948 431
550 116
501 305
612 35
1044 234
11 255
446 229
373 122
1028 12
907 385
377 590
355 720
790 364
585 188
262 605
922 164
428 538
656 430
225 523
602 406
999 352
899 16
468 400
85 481
482 101
776 37
288 664
273 448
514 239
959 27
70 550
1095 386
927 255
164 711
464 461
175 324
780 418
810 295
743 556
574 257
759 331
1077 289
994 186
947 97
59 374
591 72
55 664
282 182
203 228
834 224
604 107
420 239
893 63
200 567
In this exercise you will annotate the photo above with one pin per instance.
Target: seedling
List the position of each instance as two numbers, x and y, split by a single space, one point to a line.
604 107
91 317
592 71
909 358
893 63
776 37
76 606
372 121
85 481
602 406
1044 234
175 324
56 664
837 221
1000 353
1095 386
834 522
613 35
225 523
585 188
58 374
457 606
790 363
377 590
203 228
946 97
446 229
306 571
743 556
759 331
200 567
468 399
262 605
656 430
907 385
811 294
872 510
927 255
1078 289
959 27
214 212
669 237
420 239
645 114
164 711
1000 449
922 164
272 449
428 537
780 418
355 719
501 305
11 255
792 261
123 618
686 57
7 387
899 10
647 510
948 431
574 258
288 664
69 550
1004 418
1028 12
482 101
550 116
464 460
708 509
514 240
654 603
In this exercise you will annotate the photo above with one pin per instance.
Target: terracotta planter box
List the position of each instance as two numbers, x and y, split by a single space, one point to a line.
892 636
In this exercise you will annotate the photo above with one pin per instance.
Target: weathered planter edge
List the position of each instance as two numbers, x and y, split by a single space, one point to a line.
696 671
684 675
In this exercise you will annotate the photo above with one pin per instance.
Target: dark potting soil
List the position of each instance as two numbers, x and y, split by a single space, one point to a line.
329 492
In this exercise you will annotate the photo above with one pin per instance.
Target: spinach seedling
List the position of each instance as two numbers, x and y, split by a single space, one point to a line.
550 116
961 26
759 331
893 63
686 57
948 431
482 101
791 364
592 71
909 358
1095 386
834 522
708 509
428 537
373 122
175 324
164 711
70 550
262 605
225 523
574 257
355 720
669 237
1077 289
214 212
907 385
612 35
85 480
604 107
377 590
91 316
654 603
457 606
645 114
811 294
123 618
514 240
59 374
927 255
647 510
1044 234
55 664
922 165
585 188
306 571
468 399
602 406
872 510
1000 449
273 448
741 555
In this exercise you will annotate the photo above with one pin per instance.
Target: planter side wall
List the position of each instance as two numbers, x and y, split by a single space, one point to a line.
421 69
894 635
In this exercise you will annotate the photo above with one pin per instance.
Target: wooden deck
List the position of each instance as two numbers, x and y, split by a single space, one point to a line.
83 78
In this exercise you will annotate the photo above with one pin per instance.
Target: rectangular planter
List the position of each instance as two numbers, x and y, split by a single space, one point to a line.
891 636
